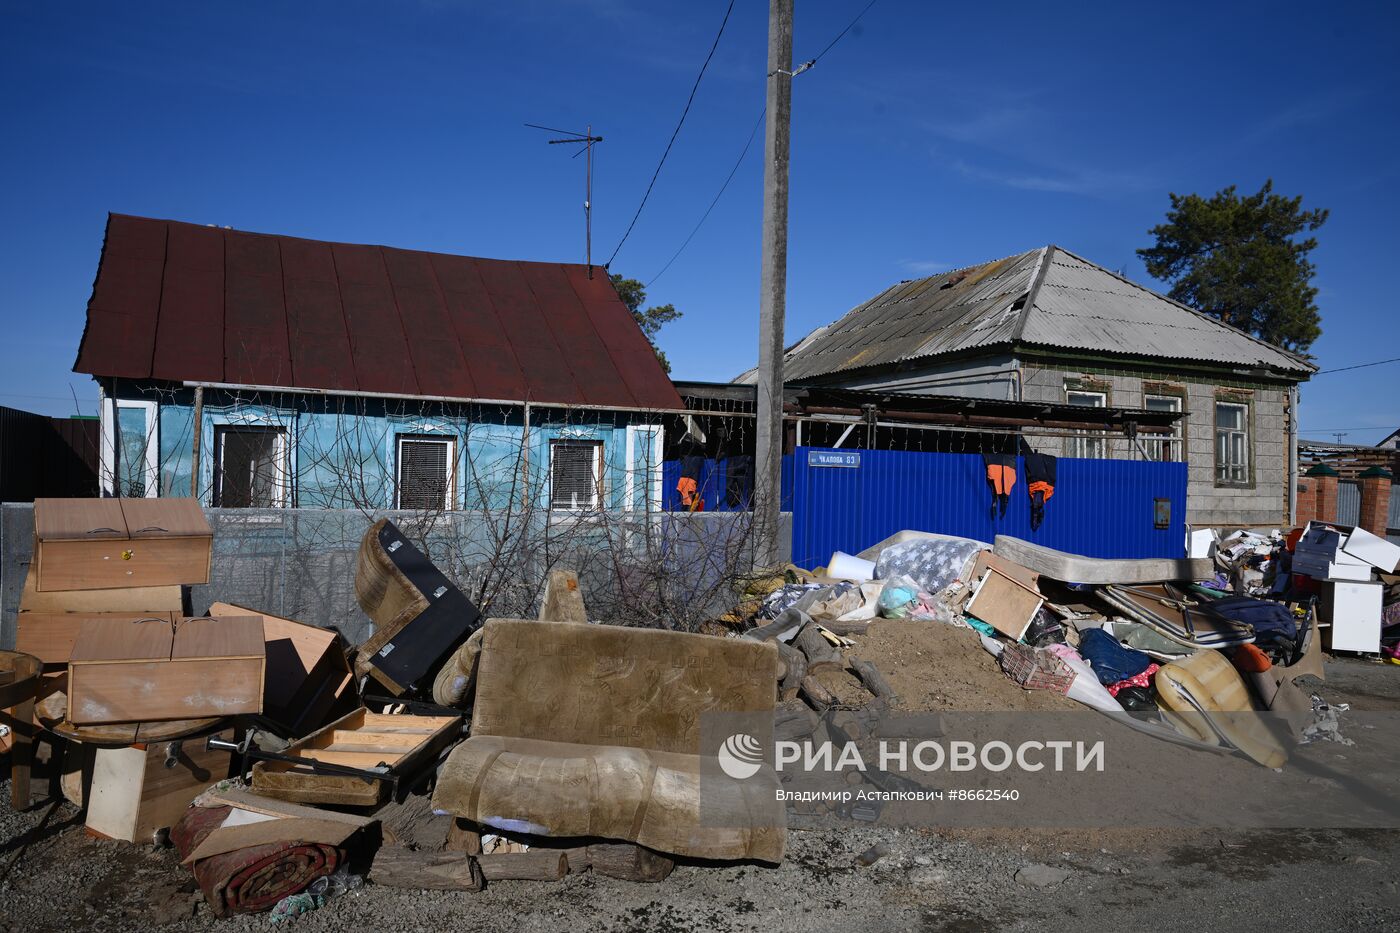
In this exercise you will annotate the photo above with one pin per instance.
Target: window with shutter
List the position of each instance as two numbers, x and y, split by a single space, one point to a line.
575 472
425 472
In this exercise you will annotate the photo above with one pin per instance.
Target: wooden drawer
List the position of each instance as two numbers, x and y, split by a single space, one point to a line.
145 671
50 636
361 739
94 544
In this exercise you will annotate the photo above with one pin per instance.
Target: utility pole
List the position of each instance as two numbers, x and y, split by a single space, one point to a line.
588 140
768 459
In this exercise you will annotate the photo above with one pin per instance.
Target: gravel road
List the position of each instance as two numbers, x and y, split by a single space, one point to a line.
1034 880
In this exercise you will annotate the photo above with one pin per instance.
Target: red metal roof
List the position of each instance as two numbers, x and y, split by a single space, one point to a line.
185 303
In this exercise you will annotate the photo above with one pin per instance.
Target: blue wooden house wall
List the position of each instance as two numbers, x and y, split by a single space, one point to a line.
342 452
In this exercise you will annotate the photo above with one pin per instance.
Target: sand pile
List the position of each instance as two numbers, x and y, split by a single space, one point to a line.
935 666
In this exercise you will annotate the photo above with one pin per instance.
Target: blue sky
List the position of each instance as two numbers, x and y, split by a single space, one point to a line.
932 136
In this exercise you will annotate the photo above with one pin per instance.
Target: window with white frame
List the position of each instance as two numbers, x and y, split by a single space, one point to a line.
426 472
1231 443
250 467
1164 447
130 448
1092 445
575 475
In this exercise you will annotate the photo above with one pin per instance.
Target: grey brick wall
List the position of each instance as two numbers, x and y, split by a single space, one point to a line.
1262 502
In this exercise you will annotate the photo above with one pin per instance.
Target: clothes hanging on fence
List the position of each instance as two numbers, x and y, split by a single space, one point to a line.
689 484
1040 474
1001 476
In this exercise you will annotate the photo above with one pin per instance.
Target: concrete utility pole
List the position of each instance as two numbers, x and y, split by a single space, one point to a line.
768 459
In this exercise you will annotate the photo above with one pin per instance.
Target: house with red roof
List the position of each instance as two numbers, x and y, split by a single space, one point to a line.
264 371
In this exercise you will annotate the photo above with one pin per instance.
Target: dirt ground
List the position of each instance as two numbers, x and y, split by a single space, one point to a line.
933 666
54 877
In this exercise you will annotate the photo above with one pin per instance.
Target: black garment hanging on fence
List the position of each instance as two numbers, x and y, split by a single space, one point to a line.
1040 474
1001 477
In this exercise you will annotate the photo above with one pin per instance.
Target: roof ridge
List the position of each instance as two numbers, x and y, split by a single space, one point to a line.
1185 307
306 239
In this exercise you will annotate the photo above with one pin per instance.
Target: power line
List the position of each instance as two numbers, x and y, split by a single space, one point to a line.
842 34
676 132
737 162
1342 369
829 46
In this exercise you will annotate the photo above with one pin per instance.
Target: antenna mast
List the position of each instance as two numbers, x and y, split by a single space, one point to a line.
587 139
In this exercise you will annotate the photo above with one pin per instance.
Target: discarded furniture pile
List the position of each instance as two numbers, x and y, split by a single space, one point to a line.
446 752
1169 647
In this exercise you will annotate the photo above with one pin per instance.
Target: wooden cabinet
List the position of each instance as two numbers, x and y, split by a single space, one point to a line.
122 671
95 544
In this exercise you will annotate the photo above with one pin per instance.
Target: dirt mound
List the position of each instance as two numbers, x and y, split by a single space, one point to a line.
935 666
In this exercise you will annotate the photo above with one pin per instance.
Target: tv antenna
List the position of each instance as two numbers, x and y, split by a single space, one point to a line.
587 140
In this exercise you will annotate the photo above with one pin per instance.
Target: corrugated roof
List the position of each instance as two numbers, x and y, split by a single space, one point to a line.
1070 304
187 303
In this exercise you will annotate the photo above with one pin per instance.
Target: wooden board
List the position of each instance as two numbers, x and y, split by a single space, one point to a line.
78 519
359 739
50 636
164 518
1004 603
93 544
142 672
133 793
136 599
308 677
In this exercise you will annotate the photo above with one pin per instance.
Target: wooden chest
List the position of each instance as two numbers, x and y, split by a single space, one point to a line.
152 670
95 544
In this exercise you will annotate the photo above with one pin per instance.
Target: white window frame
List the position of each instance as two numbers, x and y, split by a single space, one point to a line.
280 484
110 441
597 474
1172 443
450 495
637 435
1081 446
1223 468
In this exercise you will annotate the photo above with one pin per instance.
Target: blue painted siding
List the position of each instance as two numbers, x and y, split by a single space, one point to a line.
342 452
1101 508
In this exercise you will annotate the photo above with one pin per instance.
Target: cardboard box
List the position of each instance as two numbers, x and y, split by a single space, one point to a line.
95 544
150 670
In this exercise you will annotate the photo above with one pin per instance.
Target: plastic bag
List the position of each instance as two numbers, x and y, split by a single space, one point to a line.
897 597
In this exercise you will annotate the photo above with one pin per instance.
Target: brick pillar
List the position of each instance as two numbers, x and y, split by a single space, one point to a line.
1375 500
1307 501
1323 480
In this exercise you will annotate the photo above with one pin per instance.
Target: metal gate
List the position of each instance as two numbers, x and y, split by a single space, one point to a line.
848 500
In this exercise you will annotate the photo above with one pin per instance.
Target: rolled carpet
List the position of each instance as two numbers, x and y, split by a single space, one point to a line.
254 878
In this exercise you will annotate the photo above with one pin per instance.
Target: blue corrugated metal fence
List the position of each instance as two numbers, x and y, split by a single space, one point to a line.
1101 508
712 486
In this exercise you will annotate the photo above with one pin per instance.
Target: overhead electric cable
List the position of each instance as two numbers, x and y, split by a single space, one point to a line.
696 229
674 133
1342 369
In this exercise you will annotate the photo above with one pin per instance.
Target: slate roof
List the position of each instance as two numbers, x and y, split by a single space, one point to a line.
189 303
1047 297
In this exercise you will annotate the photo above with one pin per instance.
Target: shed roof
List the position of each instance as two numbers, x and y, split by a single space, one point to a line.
188 303
1047 297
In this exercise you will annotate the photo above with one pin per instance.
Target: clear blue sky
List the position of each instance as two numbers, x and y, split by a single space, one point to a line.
932 136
